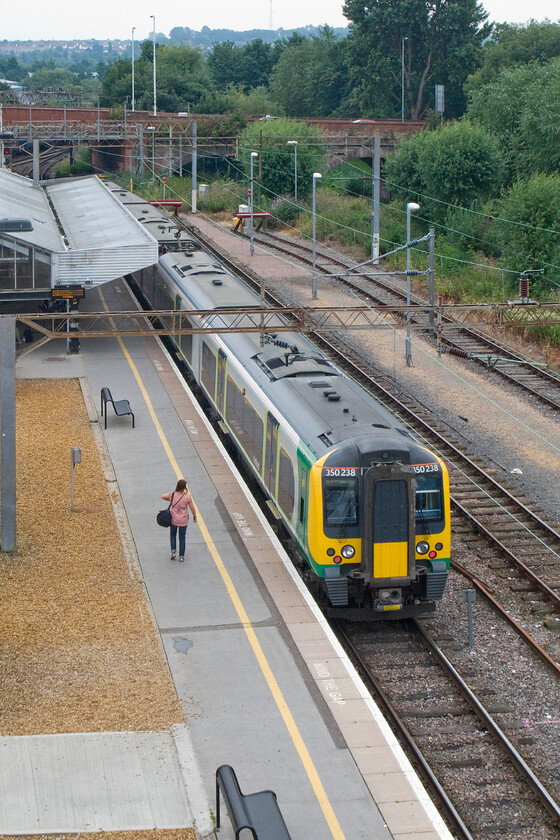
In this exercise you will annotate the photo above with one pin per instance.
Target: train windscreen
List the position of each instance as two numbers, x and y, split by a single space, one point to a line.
429 496
341 502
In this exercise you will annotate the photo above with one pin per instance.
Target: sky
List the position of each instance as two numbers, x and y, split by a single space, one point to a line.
63 19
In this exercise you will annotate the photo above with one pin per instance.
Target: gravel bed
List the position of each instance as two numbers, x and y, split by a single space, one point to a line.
80 651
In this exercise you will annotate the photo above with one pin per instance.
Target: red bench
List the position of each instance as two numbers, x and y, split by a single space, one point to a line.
261 216
168 202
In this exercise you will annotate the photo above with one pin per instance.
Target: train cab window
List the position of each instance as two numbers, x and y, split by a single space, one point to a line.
286 486
208 370
340 502
428 497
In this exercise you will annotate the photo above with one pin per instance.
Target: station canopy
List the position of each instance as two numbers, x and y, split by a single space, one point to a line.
81 234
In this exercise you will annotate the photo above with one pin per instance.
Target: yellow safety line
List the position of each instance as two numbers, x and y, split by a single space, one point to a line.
272 683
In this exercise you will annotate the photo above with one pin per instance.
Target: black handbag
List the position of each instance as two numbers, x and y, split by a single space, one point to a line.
164 516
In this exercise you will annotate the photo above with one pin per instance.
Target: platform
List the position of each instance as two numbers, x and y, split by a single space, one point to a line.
264 685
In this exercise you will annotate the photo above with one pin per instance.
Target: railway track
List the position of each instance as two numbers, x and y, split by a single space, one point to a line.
513 367
47 162
457 737
511 554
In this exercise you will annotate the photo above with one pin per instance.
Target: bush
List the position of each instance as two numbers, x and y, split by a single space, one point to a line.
529 239
455 165
276 159
283 210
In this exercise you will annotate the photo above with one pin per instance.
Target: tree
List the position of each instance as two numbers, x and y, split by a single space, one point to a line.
269 138
520 107
454 166
52 78
513 45
11 69
249 66
182 78
443 45
532 242
311 78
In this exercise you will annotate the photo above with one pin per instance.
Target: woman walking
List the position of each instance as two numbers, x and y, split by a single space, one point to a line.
181 501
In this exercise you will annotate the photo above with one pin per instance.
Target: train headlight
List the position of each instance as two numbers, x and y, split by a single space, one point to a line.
347 551
422 548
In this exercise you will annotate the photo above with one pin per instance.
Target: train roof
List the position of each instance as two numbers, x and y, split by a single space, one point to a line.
168 232
325 407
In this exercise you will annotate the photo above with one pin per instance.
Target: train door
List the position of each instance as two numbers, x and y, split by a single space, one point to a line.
271 453
388 529
301 523
220 397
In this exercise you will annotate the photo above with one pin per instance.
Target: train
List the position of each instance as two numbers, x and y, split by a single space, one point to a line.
365 503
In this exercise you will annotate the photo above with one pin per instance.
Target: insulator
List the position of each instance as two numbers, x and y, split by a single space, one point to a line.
523 287
456 351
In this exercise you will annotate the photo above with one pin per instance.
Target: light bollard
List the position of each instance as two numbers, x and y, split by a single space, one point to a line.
75 458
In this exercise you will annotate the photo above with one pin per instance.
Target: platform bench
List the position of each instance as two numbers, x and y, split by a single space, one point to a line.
255 812
121 407
259 216
173 203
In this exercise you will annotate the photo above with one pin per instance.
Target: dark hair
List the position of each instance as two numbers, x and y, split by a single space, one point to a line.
181 485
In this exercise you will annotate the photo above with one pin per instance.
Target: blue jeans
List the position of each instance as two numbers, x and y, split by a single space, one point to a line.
173 537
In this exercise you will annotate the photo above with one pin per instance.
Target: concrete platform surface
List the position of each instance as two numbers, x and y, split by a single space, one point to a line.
101 781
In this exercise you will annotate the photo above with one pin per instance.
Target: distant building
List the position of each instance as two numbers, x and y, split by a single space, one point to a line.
11 85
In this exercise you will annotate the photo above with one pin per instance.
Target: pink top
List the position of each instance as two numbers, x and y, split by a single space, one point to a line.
180 507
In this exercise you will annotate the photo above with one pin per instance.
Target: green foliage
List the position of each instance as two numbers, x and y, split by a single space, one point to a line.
530 239
80 166
340 220
52 78
455 165
224 196
246 67
284 211
269 138
182 77
521 109
498 107
514 45
472 229
311 77
353 178
444 44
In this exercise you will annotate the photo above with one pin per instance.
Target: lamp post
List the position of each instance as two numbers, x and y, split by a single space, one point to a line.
402 77
411 207
133 30
316 177
294 143
153 17
253 156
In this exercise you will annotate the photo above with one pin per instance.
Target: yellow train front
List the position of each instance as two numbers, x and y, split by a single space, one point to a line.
378 531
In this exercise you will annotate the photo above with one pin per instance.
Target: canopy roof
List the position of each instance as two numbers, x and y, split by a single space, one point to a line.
91 236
